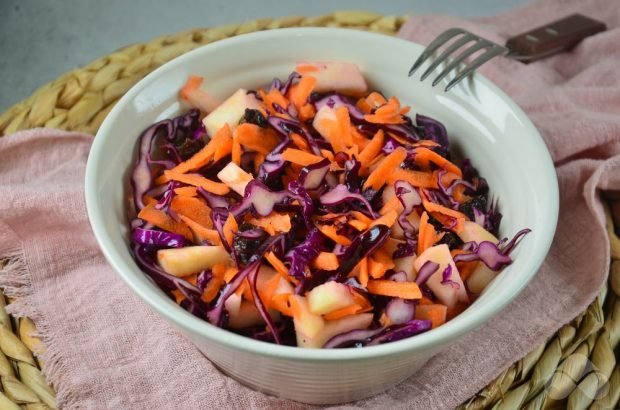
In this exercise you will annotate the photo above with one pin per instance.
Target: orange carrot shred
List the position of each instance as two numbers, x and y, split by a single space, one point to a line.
230 228
424 225
258 161
331 216
459 194
378 177
384 320
338 131
454 224
194 208
375 99
363 106
353 151
426 143
193 279
198 181
326 261
307 112
330 232
416 178
269 290
363 272
230 273
388 219
426 301
274 96
178 296
193 82
424 155
273 222
277 264
357 224
384 258
344 125
300 157
346 311
427 236
281 304
149 200
224 147
466 269
236 152
393 204
327 154
296 308
403 290
305 68
359 140
161 220
434 207
205 155
300 142
360 299
212 289
360 216
376 269
436 313
186 191
388 113
202 233
255 138
299 93
279 267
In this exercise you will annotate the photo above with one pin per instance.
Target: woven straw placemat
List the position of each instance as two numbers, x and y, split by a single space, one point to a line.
575 369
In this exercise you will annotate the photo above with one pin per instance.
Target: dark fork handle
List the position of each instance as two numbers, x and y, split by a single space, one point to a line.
553 38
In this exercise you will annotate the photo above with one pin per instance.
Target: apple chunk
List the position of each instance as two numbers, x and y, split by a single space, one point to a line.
191 259
472 232
328 297
406 265
230 111
323 117
342 77
480 278
333 328
306 323
446 293
236 178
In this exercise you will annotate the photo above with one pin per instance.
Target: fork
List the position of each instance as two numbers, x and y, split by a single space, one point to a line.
479 43
541 42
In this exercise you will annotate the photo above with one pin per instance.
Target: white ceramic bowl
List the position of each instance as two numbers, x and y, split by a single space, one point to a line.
482 122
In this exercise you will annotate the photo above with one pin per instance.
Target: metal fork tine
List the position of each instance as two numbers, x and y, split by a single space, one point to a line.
434 45
459 59
478 61
447 52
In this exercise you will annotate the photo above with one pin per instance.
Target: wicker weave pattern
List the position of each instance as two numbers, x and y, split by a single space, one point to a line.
575 369
81 99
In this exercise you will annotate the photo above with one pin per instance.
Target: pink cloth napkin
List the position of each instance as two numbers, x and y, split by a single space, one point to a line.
106 349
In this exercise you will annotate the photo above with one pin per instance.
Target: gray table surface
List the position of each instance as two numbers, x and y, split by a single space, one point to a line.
41 39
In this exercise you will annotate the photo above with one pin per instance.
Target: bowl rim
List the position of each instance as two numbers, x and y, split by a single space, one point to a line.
183 319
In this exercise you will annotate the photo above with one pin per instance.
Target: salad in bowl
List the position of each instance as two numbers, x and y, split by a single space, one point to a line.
313 212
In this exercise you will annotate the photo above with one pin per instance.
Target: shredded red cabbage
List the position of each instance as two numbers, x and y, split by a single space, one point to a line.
446 278
296 224
158 239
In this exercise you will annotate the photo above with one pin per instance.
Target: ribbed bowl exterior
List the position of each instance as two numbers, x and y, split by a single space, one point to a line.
337 381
